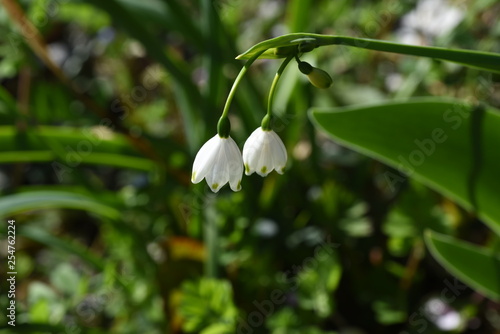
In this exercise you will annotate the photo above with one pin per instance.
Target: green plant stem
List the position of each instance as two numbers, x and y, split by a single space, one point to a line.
211 239
275 84
237 82
282 46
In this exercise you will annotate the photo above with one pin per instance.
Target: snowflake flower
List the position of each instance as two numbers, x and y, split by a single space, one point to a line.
264 151
219 162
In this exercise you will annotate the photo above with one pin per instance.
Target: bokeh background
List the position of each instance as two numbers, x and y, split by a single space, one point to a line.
103 106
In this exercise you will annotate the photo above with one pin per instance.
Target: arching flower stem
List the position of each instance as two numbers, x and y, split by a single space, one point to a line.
266 122
223 129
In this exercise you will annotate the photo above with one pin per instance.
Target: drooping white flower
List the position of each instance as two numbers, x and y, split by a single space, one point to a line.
264 151
218 161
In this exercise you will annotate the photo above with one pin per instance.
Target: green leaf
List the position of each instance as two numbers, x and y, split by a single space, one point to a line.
206 305
35 200
70 146
475 266
443 143
285 45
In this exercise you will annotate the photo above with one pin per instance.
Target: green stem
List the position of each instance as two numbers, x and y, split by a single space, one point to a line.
282 46
211 242
275 83
237 82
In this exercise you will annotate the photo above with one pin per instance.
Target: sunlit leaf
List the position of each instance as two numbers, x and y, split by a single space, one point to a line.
36 200
476 266
443 143
70 147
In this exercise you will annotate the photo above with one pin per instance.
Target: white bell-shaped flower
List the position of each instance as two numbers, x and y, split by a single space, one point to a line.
264 151
218 161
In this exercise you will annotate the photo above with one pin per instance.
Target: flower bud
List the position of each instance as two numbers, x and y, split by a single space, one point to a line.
305 68
316 76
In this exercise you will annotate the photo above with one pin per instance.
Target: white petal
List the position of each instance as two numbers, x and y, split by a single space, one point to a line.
265 161
279 153
248 152
264 152
235 164
219 174
252 150
205 158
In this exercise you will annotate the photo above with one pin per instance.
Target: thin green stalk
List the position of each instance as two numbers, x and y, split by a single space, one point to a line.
275 83
237 82
211 236
283 46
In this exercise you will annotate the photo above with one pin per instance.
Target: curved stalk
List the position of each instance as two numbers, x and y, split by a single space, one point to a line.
275 83
281 47
237 82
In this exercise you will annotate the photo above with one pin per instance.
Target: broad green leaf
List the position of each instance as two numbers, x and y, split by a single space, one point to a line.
70 147
476 266
443 143
36 200
285 45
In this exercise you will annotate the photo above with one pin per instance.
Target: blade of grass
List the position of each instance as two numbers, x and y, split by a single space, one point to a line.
47 199
298 15
37 146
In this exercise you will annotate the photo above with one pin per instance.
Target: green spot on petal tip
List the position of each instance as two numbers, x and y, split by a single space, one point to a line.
264 169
